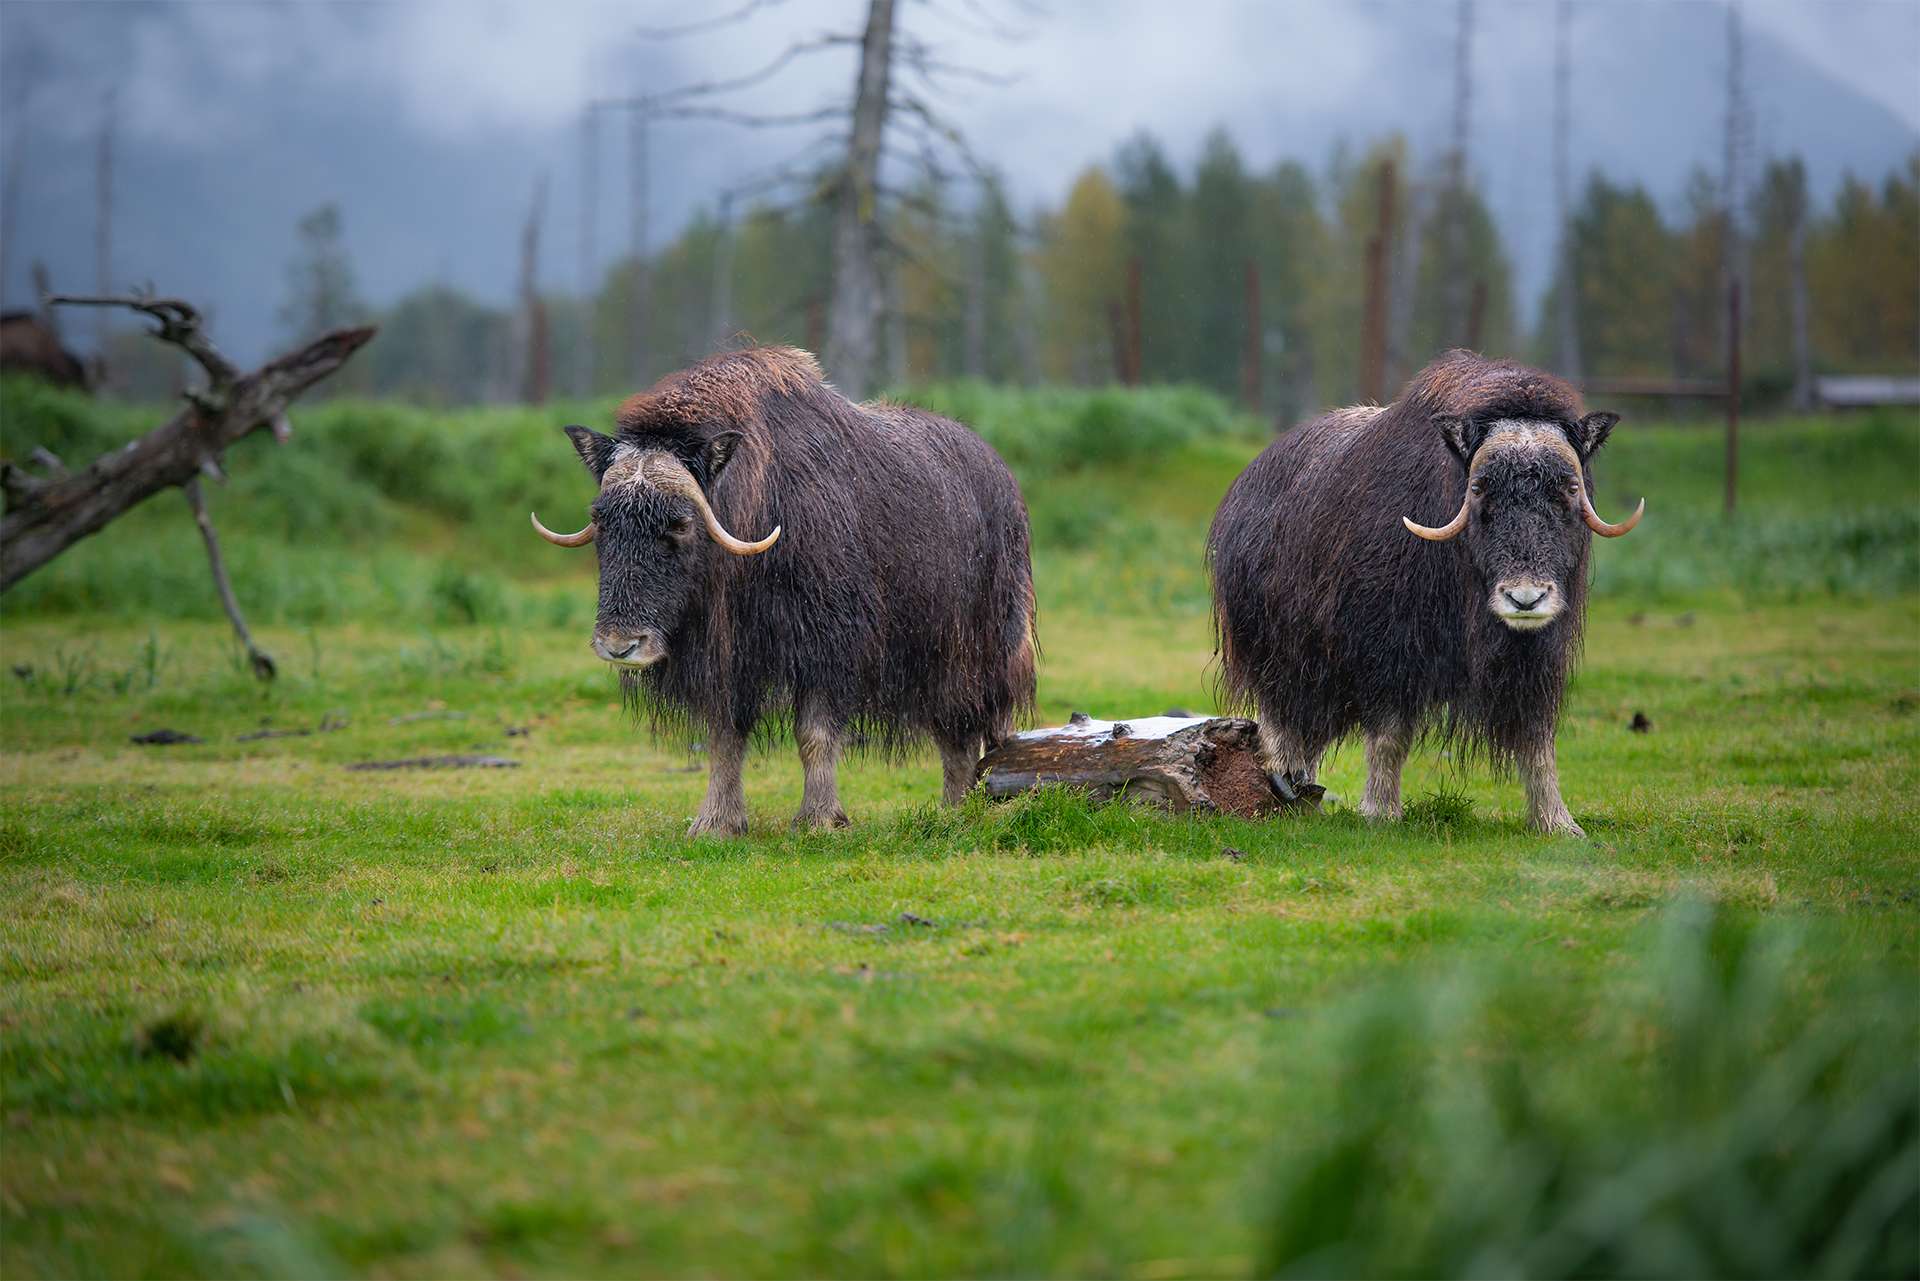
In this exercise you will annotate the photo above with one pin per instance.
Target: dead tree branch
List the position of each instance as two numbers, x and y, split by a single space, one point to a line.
257 658
45 516
177 323
741 14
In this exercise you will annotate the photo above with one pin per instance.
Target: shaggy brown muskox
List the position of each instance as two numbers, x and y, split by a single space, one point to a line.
891 596
1336 612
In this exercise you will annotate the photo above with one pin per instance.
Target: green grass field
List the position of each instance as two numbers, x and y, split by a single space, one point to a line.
262 1015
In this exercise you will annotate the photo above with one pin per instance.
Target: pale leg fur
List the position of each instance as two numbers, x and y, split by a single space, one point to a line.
1540 774
1386 756
957 763
724 811
1285 753
819 742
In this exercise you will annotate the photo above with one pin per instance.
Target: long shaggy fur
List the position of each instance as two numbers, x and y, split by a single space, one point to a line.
1331 617
899 599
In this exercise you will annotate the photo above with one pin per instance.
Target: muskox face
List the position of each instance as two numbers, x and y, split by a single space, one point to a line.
1524 521
652 527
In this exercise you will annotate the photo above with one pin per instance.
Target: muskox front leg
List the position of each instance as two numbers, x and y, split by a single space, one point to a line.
819 741
724 811
1386 757
958 763
1288 760
1540 774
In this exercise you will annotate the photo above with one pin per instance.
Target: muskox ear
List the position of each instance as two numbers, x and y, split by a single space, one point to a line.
595 450
1461 435
717 453
1591 432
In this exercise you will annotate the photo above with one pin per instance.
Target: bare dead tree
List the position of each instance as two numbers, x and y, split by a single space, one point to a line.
1454 281
103 213
1732 244
1566 302
639 207
1406 246
48 513
1797 270
720 299
855 309
583 355
898 77
20 81
1373 323
536 371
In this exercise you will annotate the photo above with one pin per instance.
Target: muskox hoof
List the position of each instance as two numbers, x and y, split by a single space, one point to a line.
820 820
1558 825
705 825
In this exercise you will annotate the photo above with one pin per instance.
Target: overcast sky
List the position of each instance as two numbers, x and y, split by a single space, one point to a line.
429 123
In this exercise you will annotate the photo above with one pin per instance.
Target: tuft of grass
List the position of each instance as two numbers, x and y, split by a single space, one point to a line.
175 1036
1446 808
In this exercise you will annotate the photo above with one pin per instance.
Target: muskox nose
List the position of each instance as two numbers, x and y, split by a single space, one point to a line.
628 649
1525 597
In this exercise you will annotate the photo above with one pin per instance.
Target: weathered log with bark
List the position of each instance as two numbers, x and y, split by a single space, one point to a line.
1184 763
47 514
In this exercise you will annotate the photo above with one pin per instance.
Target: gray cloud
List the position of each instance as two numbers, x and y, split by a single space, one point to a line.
429 122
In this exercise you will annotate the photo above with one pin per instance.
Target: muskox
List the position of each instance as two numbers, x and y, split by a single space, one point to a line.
890 596
1334 610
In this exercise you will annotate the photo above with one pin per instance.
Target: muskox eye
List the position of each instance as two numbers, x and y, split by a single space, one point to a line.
1478 487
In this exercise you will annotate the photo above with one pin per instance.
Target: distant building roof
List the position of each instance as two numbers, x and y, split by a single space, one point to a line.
1859 391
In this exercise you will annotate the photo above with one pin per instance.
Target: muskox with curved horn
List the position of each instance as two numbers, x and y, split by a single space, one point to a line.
1337 610
771 552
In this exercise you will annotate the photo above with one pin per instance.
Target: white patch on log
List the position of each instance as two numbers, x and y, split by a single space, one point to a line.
1145 727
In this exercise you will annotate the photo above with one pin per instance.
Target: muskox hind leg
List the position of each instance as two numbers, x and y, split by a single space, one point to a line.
818 737
724 811
1540 775
959 760
1386 757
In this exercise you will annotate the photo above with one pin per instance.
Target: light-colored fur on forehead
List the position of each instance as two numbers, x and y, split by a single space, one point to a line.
636 468
1510 435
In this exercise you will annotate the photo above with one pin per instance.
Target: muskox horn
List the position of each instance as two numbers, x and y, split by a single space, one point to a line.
1444 532
580 539
671 476
1601 527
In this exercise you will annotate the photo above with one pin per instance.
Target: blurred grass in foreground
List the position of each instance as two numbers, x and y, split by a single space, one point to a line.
1719 1120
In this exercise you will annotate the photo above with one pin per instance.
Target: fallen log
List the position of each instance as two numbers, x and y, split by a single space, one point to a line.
1185 763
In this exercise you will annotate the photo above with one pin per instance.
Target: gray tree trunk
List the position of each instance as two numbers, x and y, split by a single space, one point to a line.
1567 301
639 303
853 315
